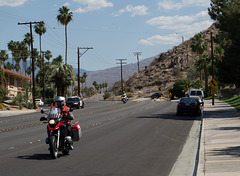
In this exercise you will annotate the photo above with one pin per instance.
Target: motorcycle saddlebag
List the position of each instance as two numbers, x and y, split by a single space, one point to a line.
76 132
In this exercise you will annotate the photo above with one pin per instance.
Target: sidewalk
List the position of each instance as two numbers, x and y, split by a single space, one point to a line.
220 140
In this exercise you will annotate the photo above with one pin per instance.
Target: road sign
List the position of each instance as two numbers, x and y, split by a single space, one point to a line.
186 86
213 91
213 83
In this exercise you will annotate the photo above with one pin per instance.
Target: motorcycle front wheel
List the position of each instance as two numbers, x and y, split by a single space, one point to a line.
53 147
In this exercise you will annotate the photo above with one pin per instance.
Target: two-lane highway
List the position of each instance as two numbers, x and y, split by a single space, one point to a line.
137 138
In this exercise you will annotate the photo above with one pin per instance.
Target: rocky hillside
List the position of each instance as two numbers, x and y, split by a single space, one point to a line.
167 67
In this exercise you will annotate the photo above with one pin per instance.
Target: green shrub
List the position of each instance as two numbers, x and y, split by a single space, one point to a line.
106 96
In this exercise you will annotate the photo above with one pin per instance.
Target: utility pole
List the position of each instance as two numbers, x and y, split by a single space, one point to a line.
137 54
42 61
33 61
121 62
79 55
212 65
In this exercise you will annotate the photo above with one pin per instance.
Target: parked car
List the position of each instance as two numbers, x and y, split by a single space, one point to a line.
75 102
197 93
190 105
156 95
39 102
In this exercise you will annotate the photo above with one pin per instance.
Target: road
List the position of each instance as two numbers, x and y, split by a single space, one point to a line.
142 138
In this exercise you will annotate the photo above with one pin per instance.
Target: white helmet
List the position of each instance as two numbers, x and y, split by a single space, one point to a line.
60 99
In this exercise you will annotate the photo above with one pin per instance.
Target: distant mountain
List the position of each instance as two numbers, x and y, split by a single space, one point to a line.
112 75
81 71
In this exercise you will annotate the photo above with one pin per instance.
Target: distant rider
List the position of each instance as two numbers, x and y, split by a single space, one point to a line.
124 95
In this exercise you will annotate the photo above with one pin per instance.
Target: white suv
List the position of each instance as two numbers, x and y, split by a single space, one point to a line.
39 102
196 92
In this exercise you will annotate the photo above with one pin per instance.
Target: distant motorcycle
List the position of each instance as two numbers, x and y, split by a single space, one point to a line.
124 99
55 140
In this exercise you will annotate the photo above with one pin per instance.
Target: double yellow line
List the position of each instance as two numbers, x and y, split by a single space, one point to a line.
20 127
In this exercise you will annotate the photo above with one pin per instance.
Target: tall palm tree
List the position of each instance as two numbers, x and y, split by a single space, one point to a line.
199 45
17 55
64 17
40 29
11 47
201 64
24 55
27 40
3 58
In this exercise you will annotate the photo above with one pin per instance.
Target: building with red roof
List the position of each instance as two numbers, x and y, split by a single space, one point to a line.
14 82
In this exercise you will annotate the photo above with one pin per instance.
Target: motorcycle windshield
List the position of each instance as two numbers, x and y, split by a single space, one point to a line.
55 113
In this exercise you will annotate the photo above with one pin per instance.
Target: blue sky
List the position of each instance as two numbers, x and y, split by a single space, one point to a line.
114 28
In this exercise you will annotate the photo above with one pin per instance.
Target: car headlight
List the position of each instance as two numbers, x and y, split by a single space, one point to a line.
51 122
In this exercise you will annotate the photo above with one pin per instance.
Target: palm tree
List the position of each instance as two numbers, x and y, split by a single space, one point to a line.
199 46
64 17
17 55
62 76
85 78
24 55
201 64
48 55
57 61
3 58
40 29
8 66
11 47
27 40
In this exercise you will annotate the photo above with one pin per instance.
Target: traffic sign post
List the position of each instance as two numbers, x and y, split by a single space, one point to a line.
213 91
213 83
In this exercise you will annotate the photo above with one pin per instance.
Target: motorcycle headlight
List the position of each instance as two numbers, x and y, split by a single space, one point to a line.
51 122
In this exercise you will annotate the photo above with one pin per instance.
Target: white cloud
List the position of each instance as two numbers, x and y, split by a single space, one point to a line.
186 26
92 5
169 20
66 4
12 3
172 21
137 10
203 3
170 5
158 40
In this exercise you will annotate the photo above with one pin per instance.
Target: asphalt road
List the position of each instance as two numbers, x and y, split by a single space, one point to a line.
134 139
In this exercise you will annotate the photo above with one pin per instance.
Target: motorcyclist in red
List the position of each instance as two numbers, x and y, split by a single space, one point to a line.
67 116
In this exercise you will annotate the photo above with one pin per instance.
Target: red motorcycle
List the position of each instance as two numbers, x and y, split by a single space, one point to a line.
56 140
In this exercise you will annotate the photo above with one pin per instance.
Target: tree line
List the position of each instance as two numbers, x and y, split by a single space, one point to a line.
53 77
